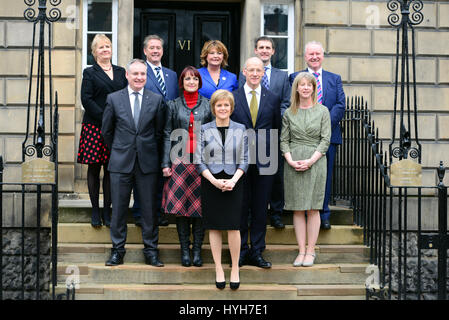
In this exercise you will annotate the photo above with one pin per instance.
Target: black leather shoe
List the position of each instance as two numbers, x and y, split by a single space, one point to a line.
260 262
115 259
276 221
162 221
153 260
325 225
243 260
220 285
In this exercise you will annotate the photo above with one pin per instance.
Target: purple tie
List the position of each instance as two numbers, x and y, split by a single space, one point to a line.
319 93
265 82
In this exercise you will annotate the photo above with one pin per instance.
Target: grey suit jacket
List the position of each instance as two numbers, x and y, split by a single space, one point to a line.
279 85
127 142
213 155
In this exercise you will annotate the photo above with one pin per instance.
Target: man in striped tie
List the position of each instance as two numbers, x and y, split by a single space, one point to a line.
329 93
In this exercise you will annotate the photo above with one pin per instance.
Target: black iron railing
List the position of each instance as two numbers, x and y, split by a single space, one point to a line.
408 251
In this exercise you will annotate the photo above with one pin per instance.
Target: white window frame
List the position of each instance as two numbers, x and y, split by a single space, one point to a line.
113 31
291 30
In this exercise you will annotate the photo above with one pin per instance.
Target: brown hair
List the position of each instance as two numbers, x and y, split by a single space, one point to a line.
221 94
214 44
192 70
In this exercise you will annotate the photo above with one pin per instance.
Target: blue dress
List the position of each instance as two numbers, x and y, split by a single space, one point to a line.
228 81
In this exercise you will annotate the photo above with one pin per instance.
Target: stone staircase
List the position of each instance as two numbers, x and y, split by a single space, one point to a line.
338 273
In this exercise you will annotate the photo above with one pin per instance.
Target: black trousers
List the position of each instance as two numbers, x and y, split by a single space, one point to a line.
121 186
257 190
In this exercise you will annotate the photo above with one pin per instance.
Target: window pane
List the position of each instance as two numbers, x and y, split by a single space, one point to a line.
280 58
90 57
100 15
275 19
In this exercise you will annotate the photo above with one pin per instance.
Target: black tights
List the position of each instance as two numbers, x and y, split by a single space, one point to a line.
93 184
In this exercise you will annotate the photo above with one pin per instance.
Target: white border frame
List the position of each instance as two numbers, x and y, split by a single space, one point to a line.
291 30
113 31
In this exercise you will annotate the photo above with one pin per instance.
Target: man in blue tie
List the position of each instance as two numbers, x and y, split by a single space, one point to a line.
277 82
164 82
329 93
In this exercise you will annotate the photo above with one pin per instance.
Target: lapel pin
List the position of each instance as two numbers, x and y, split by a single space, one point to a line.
224 78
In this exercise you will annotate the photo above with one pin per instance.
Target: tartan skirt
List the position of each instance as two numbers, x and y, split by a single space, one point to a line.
182 191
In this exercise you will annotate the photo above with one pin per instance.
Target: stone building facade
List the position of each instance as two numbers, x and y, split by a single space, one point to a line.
359 45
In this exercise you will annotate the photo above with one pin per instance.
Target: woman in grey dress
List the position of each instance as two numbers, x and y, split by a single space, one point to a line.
305 137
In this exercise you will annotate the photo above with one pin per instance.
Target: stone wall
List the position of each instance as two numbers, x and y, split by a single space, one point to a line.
360 45
429 270
12 264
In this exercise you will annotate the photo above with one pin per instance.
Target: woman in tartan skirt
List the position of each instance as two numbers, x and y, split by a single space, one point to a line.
181 195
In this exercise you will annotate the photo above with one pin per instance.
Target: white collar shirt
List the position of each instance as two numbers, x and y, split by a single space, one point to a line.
249 95
153 67
320 71
132 98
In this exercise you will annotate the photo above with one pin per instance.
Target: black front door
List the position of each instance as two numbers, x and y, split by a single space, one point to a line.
185 27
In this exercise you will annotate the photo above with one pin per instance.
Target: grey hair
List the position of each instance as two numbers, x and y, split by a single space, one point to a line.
135 61
313 43
152 37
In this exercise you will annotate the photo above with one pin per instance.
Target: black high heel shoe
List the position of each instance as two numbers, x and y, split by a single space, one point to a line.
234 285
220 285
95 220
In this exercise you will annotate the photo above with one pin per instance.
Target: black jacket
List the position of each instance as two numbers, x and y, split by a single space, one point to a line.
178 117
95 88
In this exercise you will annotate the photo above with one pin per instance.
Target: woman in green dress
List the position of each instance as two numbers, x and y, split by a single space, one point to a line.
305 137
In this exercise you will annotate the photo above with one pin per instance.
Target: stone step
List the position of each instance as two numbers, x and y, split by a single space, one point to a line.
209 292
170 253
85 233
133 273
79 211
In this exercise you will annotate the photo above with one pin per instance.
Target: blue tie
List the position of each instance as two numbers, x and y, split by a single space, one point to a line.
160 80
265 82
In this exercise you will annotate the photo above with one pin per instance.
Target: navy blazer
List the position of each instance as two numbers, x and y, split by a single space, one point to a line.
125 141
95 88
213 155
171 83
268 117
333 99
228 81
279 85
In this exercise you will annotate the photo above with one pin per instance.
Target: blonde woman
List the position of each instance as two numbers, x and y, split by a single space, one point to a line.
305 138
99 80
222 141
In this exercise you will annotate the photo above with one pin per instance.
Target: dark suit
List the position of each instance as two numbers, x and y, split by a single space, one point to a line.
172 92
257 183
334 100
279 85
135 158
171 83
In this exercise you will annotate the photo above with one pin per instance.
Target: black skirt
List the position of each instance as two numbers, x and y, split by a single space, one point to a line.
221 210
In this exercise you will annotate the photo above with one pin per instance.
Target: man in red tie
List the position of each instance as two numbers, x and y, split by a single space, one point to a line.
329 93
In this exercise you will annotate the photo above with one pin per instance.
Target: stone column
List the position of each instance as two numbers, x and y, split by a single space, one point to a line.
125 31
250 29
